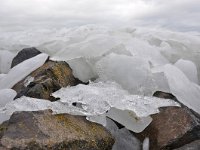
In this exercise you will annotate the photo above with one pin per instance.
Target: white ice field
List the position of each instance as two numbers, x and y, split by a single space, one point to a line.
125 67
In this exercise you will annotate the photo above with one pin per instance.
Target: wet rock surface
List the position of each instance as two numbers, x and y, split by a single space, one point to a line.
42 130
45 80
173 127
24 54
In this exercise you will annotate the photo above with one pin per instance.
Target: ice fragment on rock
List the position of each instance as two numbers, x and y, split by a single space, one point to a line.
96 101
23 69
82 69
129 119
182 88
145 144
6 96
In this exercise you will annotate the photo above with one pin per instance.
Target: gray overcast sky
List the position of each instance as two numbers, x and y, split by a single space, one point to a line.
182 15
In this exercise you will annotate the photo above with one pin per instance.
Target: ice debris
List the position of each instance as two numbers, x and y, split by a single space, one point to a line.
185 91
145 145
23 69
5 61
96 101
6 96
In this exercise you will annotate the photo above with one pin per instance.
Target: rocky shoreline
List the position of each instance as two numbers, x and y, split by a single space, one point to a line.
173 127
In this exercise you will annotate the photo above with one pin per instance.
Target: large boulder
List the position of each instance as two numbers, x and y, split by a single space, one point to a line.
45 80
24 54
173 127
45 131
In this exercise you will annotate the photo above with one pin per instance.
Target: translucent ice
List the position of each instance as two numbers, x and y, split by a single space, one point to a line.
129 119
6 96
185 91
82 69
145 144
189 69
110 94
96 101
5 61
132 73
23 69
98 98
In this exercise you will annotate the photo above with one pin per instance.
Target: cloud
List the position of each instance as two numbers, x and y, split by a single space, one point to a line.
176 14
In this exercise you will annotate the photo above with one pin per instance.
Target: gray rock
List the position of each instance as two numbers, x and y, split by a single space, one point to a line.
124 139
24 54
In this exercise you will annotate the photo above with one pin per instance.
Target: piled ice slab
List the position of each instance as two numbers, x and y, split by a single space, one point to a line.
20 71
98 100
135 58
185 91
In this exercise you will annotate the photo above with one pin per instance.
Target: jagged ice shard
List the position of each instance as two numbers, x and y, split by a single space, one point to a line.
98 100
185 91
21 70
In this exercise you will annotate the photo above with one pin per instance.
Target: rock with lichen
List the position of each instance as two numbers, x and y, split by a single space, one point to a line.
45 80
45 131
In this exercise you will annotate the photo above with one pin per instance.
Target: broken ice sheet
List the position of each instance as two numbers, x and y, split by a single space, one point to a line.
97 98
185 91
6 96
96 101
23 69
129 119
110 99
